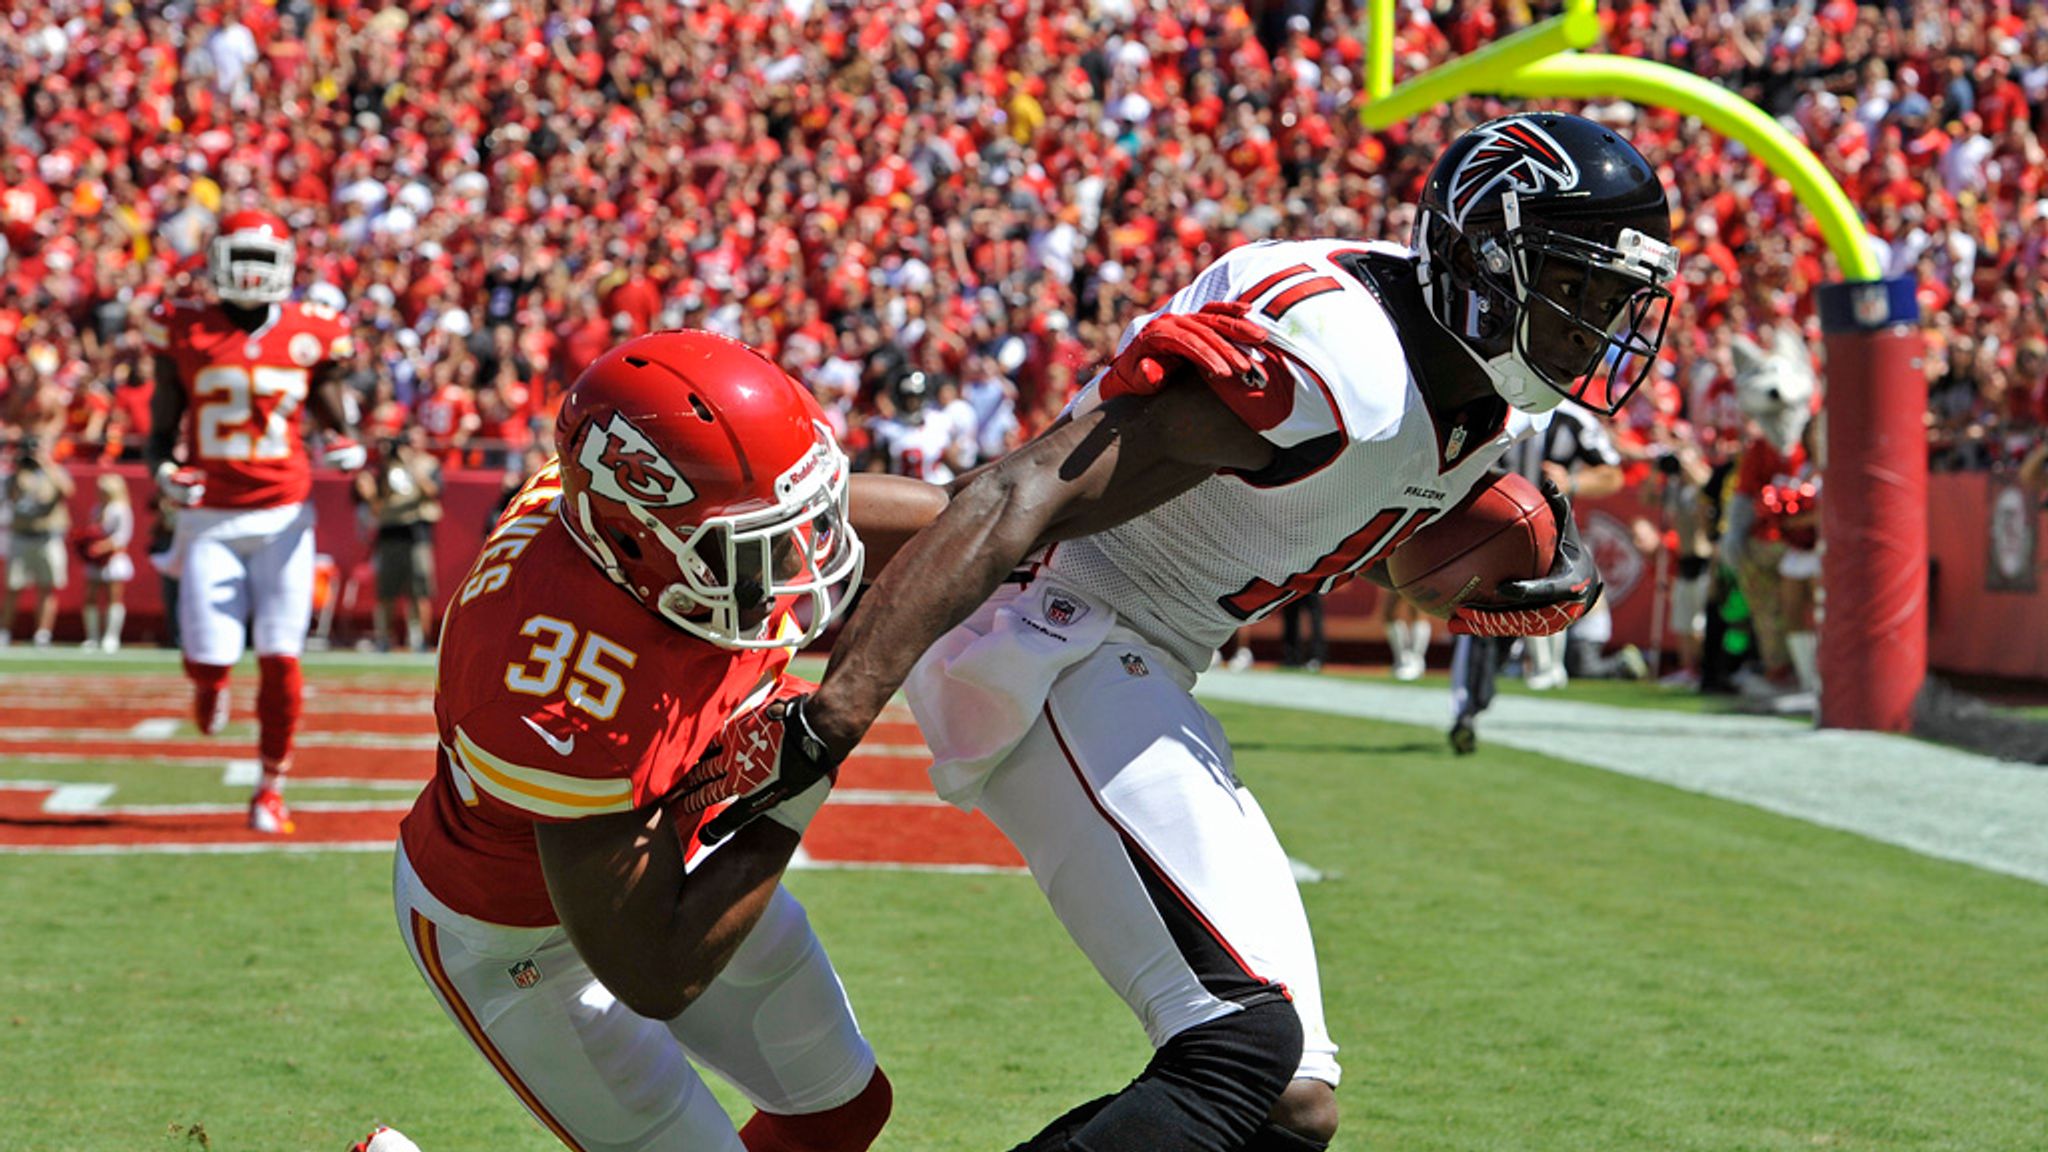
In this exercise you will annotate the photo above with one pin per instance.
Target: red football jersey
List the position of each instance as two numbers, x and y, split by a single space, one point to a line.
245 395
1763 465
558 697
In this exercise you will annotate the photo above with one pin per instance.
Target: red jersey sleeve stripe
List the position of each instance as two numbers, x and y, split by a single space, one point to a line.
1252 294
1306 290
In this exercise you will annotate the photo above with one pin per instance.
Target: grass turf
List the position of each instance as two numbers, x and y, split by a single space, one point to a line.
1516 954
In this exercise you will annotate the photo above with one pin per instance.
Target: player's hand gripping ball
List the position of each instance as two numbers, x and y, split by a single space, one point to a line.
1506 562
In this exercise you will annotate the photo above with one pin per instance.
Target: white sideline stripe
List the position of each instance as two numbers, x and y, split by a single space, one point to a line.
250 848
380 740
880 796
240 848
171 660
1925 798
915 751
241 773
154 728
136 810
69 799
809 865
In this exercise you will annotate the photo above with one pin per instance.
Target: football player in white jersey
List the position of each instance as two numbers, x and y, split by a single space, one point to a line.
1276 429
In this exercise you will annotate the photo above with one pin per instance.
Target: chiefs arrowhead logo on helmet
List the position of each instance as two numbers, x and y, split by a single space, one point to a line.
1515 151
625 466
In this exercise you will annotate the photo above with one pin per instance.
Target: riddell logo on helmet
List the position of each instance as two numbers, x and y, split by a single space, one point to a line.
806 468
1514 152
624 465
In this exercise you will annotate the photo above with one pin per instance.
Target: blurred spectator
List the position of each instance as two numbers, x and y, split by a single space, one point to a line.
402 489
39 491
975 190
103 551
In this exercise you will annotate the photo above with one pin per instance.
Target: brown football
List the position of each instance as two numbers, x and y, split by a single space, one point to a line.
1502 531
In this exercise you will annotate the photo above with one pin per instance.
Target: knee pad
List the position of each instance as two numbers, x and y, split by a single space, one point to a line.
850 1127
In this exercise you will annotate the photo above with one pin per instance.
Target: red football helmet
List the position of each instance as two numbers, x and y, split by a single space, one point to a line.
703 481
251 259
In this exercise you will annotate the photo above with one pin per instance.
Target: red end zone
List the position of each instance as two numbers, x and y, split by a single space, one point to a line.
883 814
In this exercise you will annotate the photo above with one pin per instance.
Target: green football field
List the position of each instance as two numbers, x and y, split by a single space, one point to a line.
1517 953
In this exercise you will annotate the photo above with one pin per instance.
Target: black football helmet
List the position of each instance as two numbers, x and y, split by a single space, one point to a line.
910 392
1544 245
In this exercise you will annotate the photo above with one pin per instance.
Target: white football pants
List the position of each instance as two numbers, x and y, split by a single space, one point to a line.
1082 742
231 560
775 1024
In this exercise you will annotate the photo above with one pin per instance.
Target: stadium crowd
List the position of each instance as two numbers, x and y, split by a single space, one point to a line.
970 195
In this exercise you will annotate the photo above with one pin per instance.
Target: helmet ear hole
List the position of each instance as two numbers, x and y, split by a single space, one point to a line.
624 542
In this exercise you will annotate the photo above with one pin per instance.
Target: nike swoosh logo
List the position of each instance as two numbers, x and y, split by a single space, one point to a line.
561 746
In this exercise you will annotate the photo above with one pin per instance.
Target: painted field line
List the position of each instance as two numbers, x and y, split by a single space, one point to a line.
802 862
144 811
239 848
855 797
380 740
1936 801
64 799
154 728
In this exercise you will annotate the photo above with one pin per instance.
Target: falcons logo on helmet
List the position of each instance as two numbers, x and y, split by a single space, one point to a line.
625 466
1513 151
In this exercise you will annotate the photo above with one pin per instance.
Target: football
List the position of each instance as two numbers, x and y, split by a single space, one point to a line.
1503 531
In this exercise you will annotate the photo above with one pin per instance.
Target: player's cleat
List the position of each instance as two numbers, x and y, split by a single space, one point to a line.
1464 741
268 814
210 710
383 1139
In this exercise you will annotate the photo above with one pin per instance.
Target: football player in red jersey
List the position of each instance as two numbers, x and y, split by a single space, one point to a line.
635 603
235 377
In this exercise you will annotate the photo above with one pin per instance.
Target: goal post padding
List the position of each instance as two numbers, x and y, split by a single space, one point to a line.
1873 645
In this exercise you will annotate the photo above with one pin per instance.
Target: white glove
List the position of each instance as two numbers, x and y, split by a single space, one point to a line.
344 453
186 487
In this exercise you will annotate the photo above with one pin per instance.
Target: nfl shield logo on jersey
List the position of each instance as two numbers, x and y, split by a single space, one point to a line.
1062 607
525 974
1134 664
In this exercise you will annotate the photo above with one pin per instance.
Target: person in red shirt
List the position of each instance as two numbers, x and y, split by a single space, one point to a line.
227 442
448 412
607 668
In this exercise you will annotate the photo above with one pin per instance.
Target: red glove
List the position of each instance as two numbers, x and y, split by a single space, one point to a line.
1217 343
722 772
1548 604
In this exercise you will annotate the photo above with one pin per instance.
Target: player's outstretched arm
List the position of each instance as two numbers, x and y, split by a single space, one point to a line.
1083 475
324 397
888 510
656 937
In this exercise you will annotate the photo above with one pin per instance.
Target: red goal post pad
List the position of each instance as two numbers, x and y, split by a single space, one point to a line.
1873 643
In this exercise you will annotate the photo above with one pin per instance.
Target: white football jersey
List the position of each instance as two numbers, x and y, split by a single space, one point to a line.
924 447
1361 465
